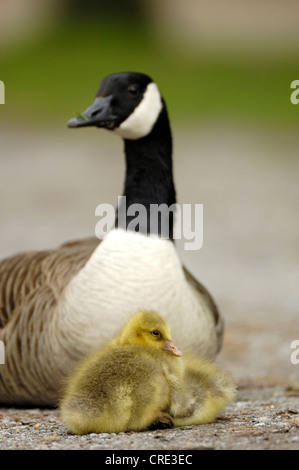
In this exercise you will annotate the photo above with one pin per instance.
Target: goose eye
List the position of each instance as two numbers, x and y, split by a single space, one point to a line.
156 333
133 90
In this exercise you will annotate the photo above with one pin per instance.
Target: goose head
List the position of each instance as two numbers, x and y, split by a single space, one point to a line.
147 328
127 104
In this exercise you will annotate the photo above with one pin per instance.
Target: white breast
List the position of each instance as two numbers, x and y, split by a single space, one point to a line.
130 271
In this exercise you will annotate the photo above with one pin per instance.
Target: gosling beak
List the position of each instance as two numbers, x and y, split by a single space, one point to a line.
172 348
98 114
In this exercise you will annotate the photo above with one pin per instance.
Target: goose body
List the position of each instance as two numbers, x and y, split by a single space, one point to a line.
58 306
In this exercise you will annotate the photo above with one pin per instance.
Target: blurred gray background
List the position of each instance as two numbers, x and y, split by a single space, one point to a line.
225 70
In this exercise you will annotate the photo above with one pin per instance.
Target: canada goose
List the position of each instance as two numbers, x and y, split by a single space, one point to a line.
57 306
137 381
123 386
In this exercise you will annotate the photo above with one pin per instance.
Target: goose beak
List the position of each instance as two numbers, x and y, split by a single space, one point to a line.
98 114
172 348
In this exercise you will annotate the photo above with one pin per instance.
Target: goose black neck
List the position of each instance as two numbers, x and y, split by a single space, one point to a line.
149 182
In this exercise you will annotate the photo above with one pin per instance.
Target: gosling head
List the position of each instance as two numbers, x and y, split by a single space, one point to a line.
128 104
147 328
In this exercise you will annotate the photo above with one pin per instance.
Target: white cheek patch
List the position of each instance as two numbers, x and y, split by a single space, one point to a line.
142 120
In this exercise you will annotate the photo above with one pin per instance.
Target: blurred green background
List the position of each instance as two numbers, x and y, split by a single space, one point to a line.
212 60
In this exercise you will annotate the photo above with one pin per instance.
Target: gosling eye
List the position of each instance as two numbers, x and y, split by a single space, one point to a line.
133 90
156 334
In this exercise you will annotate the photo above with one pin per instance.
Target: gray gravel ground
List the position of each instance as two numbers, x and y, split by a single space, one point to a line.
50 183
261 418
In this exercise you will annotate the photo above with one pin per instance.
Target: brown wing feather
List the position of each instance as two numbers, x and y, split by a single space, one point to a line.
24 273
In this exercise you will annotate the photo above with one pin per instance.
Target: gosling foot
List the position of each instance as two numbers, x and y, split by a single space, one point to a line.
162 421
